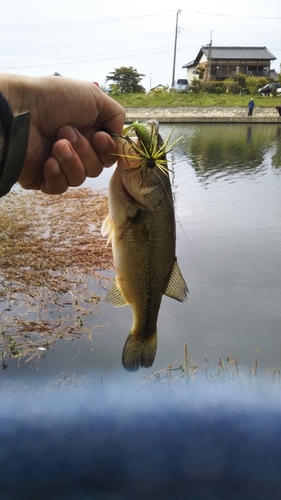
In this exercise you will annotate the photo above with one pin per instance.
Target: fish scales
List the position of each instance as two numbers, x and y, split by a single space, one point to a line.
147 254
141 226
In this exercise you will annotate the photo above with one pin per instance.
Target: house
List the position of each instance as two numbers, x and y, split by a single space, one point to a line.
159 88
273 75
220 63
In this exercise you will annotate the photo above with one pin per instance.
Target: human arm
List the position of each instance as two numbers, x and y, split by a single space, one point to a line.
66 142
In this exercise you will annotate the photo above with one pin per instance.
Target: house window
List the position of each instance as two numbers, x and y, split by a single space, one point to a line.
265 71
251 70
214 70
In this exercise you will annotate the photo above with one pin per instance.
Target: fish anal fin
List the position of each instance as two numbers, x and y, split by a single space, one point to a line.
115 296
139 353
177 287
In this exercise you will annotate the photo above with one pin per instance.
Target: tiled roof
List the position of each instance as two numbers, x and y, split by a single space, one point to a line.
238 52
233 53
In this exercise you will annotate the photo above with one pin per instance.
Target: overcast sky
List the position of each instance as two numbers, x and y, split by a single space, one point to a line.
88 39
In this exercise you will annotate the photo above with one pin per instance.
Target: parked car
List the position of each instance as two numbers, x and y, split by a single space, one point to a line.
269 88
181 86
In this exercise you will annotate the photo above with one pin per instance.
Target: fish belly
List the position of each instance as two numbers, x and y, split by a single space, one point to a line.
144 254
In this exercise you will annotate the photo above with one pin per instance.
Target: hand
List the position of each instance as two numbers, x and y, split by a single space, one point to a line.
74 157
66 143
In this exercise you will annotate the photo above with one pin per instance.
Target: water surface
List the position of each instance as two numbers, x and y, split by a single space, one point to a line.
227 185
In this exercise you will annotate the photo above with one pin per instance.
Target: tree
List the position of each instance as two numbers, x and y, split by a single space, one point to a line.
200 72
240 79
195 85
125 80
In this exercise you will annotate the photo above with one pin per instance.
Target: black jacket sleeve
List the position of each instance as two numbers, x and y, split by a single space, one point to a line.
14 134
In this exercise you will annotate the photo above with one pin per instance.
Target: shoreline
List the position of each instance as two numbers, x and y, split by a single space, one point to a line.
204 114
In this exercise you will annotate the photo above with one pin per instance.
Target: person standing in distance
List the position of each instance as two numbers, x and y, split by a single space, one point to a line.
251 106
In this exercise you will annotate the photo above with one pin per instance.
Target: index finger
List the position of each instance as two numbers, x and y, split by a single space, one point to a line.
111 115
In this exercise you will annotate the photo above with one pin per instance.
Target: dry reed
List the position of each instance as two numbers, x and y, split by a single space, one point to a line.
49 248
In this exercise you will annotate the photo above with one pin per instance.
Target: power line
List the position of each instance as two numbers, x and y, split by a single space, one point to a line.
71 24
81 61
231 15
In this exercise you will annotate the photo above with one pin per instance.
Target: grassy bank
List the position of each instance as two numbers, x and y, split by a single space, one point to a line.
166 99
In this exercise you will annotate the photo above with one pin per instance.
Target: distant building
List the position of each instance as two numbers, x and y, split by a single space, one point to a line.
273 75
159 88
220 63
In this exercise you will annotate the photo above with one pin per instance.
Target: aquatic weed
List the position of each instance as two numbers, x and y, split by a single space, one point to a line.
49 247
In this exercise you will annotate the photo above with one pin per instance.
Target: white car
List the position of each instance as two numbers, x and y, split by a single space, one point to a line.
181 86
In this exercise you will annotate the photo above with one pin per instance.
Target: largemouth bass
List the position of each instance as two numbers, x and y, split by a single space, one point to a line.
141 228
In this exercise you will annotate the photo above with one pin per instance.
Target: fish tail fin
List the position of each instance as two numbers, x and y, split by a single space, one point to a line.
139 353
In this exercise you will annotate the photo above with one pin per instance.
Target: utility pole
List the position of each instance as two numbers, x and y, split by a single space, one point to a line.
175 47
210 58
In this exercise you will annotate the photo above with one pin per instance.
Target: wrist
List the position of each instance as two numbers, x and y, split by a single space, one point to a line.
12 87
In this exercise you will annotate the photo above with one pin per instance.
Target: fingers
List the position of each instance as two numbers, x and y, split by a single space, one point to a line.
95 149
63 169
54 181
111 114
105 148
75 157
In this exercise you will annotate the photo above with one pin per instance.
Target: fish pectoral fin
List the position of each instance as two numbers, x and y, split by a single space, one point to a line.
107 228
177 287
115 296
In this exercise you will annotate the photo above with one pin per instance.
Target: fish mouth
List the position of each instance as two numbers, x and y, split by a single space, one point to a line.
145 189
142 147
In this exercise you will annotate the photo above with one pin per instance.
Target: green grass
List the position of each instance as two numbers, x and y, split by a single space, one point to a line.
167 99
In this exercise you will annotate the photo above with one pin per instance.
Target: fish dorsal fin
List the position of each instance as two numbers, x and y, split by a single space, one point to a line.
177 287
107 228
115 296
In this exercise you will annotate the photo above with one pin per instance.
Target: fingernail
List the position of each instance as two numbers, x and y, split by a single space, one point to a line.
103 143
65 151
54 168
71 135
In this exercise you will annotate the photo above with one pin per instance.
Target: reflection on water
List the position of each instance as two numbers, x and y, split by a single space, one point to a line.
223 150
227 184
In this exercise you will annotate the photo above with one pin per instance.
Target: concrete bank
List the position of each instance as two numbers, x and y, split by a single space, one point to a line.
212 114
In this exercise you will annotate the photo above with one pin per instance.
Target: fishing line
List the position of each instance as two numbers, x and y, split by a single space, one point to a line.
200 274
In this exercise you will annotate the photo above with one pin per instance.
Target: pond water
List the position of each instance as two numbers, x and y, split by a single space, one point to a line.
227 188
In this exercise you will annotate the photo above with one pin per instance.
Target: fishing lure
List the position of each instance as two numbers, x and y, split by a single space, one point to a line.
151 151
